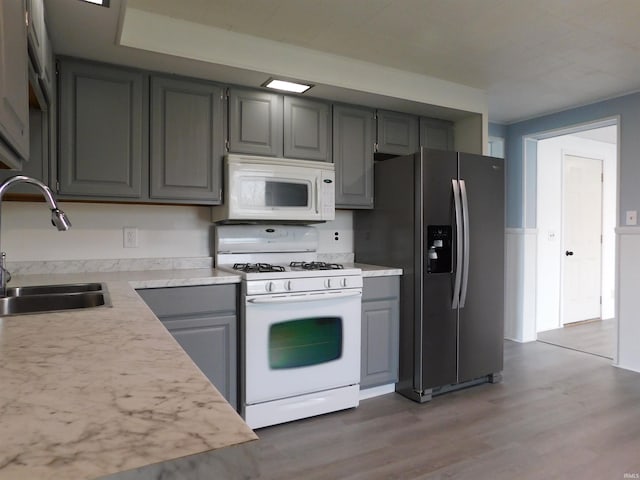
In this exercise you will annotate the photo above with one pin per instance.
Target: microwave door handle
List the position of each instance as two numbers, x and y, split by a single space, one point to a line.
318 194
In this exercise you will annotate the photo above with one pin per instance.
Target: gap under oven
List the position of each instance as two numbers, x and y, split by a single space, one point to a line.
300 324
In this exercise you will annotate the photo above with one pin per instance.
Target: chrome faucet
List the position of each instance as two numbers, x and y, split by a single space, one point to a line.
58 219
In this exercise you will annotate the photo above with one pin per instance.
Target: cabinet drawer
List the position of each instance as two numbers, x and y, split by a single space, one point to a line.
380 287
190 300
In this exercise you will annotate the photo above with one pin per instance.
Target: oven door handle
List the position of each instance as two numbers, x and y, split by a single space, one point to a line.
306 297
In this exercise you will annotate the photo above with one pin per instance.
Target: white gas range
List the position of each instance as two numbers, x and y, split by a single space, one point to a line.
299 326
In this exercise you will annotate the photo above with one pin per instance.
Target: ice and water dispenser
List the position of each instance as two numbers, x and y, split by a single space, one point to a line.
439 249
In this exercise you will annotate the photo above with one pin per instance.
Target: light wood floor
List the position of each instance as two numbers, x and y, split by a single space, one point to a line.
596 337
558 414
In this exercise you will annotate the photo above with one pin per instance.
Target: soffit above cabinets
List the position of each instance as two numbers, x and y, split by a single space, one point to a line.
530 57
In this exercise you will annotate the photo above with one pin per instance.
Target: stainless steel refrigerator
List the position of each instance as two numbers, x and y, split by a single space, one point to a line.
440 216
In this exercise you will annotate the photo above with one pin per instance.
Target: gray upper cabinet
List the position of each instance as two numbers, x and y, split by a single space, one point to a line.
186 140
203 320
397 133
307 128
38 164
36 33
380 331
48 73
255 122
14 103
436 133
353 156
103 131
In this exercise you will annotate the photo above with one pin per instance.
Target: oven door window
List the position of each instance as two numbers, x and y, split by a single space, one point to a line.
305 342
257 192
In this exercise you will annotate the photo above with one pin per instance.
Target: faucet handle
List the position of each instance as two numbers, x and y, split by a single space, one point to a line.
5 276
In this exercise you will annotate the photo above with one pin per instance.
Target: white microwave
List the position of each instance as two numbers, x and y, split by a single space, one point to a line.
276 189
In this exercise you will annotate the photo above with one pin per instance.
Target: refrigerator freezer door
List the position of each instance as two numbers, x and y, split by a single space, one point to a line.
481 320
439 326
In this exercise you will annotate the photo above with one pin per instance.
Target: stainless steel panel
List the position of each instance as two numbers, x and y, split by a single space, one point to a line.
385 236
482 318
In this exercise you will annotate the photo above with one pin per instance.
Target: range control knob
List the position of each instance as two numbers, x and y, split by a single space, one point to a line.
268 286
327 283
343 282
287 285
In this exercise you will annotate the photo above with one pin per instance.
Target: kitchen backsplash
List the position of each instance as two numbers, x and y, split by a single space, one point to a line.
165 234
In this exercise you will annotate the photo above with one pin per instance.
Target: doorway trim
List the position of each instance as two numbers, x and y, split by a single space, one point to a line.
526 321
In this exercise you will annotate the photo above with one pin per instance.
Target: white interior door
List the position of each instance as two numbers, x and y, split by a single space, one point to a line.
582 239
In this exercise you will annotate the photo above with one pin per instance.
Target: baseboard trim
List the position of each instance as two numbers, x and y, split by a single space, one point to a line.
377 391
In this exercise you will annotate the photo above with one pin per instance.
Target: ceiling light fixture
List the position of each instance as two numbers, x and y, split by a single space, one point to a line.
286 86
102 3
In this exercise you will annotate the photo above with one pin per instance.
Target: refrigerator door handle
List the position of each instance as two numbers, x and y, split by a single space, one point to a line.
455 301
465 227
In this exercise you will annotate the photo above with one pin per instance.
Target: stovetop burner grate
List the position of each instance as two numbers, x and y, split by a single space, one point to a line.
316 265
257 267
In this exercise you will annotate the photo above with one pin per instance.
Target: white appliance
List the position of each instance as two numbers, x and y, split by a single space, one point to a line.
276 189
299 323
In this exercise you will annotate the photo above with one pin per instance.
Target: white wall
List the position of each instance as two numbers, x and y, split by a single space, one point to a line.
96 233
549 223
164 231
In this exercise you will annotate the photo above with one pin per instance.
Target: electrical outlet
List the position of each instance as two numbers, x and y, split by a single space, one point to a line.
130 237
632 217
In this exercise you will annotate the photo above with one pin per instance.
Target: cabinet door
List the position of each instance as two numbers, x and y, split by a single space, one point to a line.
48 68
103 131
35 31
436 133
203 320
38 164
306 129
255 122
14 105
397 133
186 140
353 156
379 355
210 342
380 331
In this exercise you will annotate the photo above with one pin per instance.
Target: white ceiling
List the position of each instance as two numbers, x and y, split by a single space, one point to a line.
531 57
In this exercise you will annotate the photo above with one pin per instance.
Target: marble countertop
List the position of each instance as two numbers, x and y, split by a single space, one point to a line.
92 392
375 270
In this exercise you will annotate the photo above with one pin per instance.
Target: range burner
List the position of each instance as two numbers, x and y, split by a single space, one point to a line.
257 267
316 265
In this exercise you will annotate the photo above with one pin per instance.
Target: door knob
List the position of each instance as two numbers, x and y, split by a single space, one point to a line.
568 253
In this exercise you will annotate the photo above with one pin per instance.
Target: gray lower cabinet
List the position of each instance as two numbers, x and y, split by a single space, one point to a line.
353 139
14 103
103 131
307 129
380 331
186 140
436 133
203 321
397 133
255 122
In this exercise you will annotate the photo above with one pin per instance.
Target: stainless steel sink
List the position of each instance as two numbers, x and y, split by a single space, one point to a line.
53 298
54 289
